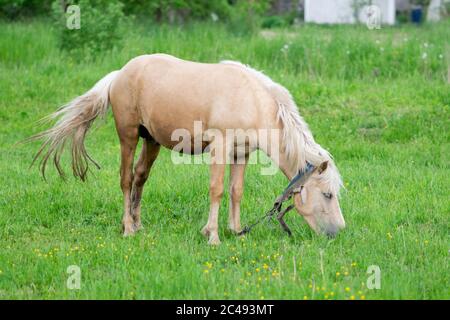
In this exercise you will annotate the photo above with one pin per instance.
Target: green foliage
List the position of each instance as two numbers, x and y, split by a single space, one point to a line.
423 3
242 14
273 22
12 9
182 10
246 16
278 21
102 26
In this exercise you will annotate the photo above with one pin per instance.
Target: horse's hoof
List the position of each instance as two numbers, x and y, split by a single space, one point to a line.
137 227
128 231
236 231
214 241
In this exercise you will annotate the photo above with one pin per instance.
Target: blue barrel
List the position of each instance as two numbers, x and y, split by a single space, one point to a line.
416 15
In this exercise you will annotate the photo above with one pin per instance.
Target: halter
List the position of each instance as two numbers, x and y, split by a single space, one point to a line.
293 187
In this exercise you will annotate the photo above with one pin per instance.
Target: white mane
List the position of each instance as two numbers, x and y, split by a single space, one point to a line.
298 142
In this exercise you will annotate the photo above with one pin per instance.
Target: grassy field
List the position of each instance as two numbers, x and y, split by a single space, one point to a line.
378 100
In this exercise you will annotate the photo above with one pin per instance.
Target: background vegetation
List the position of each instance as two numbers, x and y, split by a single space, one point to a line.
378 100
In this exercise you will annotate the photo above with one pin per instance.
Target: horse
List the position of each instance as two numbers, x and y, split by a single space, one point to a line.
154 95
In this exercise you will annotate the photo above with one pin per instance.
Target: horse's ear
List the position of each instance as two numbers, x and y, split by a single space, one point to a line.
323 166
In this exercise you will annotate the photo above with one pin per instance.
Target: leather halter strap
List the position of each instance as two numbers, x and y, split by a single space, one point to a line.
297 182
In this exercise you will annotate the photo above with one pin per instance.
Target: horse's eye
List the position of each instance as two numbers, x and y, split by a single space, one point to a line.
327 195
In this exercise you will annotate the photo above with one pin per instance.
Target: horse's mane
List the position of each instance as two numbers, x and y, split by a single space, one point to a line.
298 142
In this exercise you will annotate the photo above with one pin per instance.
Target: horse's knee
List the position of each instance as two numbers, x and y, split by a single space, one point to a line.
126 182
216 190
236 191
140 177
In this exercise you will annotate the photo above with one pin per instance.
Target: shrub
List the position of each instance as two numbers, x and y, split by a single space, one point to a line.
246 15
273 22
102 26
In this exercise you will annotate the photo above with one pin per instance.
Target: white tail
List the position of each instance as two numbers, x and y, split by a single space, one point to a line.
74 121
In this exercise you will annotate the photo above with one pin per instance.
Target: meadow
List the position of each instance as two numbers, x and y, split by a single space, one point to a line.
378 100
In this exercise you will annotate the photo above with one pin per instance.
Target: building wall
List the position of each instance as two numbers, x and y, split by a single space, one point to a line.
402 5
343 11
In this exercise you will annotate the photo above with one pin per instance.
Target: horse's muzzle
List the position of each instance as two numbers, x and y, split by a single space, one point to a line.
331 231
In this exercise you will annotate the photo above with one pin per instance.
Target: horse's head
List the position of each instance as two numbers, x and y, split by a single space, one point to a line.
318 200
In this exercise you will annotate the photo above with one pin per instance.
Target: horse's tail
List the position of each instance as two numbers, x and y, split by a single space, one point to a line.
74 121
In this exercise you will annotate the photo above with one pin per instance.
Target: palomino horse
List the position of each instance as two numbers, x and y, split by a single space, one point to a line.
154 95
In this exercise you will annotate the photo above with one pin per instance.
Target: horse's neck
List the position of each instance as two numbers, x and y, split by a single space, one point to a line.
272 144
285 167
279 157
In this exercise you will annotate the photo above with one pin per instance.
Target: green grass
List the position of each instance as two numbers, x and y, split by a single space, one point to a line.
370 97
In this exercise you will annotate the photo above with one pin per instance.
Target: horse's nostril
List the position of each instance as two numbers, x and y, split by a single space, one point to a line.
331 235
331 231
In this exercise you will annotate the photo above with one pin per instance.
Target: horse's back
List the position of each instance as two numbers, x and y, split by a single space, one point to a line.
168 93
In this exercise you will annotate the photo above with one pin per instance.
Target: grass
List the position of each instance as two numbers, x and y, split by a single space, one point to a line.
378 100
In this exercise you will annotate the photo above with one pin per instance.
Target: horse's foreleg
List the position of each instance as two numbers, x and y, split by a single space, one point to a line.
215 193
149 153
128 147
236 191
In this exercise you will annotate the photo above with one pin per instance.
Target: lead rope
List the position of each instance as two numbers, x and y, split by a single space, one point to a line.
276 210
294 186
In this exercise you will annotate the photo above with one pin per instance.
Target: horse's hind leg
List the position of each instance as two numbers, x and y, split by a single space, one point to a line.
128 140
149 153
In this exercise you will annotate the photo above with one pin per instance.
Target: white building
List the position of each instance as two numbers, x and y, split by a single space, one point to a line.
349 11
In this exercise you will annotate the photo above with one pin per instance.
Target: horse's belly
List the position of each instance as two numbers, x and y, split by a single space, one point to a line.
176 131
